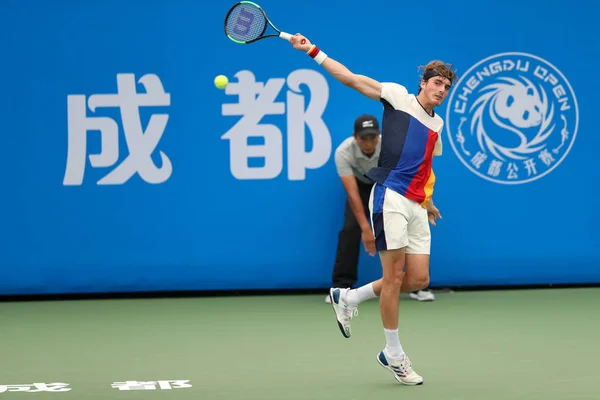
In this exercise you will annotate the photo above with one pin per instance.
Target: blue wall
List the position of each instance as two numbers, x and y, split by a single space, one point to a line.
201 216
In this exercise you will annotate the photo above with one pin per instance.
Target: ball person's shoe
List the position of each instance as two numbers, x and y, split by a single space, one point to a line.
422 295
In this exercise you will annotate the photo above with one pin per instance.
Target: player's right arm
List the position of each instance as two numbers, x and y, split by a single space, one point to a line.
369 87
363 84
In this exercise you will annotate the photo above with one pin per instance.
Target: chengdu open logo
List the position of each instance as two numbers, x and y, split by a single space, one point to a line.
512 118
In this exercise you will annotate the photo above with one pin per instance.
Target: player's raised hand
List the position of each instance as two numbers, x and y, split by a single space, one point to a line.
300 42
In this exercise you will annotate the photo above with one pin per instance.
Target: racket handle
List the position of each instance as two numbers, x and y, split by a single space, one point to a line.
288 37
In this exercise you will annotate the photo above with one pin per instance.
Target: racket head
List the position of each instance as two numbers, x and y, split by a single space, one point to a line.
245 22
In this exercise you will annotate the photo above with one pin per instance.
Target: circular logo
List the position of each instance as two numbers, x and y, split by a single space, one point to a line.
512 118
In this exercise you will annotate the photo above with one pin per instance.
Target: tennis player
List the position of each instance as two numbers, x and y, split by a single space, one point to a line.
400 202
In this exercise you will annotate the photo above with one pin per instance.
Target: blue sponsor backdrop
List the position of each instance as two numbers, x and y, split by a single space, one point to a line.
195 226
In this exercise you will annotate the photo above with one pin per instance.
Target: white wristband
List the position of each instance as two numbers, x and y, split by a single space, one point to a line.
315 53
319 58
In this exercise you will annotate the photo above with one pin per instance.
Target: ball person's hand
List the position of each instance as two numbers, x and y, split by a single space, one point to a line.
369 241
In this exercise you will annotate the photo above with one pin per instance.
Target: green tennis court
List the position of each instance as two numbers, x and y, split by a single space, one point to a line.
520 344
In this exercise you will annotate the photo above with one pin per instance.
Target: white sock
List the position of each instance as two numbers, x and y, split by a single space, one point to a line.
356 296
392 343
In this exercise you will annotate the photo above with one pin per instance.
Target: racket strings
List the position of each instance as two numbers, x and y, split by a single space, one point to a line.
245 22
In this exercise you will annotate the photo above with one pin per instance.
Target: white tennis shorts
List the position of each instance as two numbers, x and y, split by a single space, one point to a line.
398 222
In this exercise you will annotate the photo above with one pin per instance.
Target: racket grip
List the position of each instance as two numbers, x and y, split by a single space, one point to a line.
285 36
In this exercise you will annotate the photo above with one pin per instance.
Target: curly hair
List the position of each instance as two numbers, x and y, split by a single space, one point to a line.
437 68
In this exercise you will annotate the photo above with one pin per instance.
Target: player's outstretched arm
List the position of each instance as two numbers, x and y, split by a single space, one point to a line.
361 83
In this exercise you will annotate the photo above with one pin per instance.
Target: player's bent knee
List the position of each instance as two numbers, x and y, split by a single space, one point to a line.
420 282
416 280
417 271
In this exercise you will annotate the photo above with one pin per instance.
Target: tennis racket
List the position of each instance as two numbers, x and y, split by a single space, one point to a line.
246 22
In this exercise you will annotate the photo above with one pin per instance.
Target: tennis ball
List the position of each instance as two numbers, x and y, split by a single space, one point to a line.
221 81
